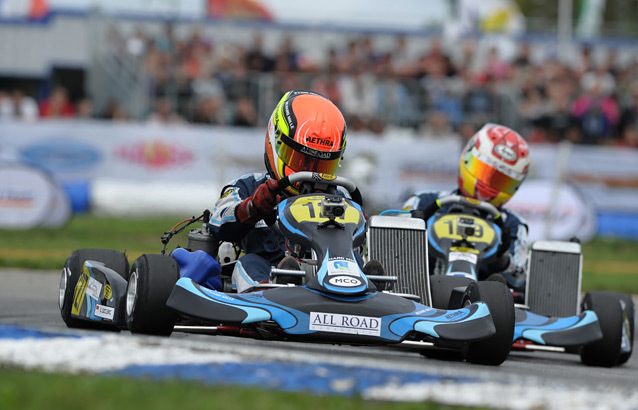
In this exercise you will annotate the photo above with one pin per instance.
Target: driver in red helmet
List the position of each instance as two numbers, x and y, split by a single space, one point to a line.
492 167
306 132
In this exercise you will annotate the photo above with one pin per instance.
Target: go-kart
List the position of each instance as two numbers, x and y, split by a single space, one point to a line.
336 301
464 233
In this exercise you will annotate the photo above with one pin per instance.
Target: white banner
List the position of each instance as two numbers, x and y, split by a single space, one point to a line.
203 159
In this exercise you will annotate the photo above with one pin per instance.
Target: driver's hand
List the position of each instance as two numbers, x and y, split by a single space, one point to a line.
261 203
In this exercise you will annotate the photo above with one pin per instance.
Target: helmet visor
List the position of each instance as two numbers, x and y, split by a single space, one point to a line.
301 158
491 174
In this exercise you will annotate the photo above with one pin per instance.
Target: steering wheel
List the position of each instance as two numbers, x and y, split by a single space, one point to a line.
316 178
486 207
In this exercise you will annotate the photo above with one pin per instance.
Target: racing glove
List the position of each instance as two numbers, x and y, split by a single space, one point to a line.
259 205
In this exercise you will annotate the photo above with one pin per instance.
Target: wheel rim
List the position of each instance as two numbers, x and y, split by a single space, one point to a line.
63 281
131 293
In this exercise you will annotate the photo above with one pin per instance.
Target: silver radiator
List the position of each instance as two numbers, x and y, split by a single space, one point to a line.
554 278
401 245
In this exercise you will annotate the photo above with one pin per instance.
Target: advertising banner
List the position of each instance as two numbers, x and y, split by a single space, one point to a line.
190 164
30 198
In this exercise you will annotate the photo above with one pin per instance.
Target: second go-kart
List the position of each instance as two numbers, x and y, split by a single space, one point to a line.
336 302
463 233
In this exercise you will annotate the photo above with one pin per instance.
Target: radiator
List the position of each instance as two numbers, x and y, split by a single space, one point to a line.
401 245
554 278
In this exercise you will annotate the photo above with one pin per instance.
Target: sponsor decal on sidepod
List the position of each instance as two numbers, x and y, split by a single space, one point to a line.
351 324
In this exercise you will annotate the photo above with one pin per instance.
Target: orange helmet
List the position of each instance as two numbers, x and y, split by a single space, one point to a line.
493 164
306 132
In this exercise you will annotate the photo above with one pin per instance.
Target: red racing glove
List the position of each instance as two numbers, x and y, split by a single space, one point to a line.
261 203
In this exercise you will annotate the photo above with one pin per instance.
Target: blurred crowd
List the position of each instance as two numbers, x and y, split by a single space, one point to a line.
445 91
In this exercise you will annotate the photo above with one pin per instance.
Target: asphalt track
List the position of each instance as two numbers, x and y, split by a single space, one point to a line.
28 299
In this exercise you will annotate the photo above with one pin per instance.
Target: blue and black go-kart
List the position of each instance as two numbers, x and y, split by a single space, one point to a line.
463 233
336 302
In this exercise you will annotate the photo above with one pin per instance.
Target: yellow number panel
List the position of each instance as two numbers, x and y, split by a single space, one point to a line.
446 227
308 209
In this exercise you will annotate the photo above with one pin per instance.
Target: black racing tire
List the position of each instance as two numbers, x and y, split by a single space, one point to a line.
494 350
629 324
441 288
151 282
71 273
606 351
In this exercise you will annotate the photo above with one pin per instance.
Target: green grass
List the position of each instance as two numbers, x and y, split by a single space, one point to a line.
26 390
48 248
608 264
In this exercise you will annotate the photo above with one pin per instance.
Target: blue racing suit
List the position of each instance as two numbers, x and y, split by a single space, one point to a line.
263 248
513 270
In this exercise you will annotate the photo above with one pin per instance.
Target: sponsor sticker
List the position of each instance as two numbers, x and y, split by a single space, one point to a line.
93 288
104 312
455 315
342 267
345 281
107 292
350 324
78 295
463 256
506 152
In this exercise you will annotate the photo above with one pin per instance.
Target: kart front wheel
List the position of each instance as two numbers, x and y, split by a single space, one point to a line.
607 351
71 273
150 284
494 350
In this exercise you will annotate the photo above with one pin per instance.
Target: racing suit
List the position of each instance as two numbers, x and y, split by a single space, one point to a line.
512 265
263 248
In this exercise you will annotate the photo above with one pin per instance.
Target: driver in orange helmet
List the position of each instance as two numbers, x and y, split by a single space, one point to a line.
306 132
492 167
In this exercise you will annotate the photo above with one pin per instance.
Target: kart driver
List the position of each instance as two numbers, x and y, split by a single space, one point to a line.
306 132
492 167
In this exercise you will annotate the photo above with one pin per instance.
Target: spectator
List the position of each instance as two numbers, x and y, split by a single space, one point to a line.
114 111
85 108
57 105
256 58
245 114
479 102
628 124
18 106
437 126
209 111
164 113
358 98
597 114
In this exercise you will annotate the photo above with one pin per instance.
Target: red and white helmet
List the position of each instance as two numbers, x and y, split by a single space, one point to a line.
306 132
493 164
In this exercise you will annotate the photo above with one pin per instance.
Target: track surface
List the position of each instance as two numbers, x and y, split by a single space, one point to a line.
29 298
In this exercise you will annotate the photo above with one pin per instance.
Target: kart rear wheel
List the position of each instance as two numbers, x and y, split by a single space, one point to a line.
629 325
605 352
150 284
494 350
71 273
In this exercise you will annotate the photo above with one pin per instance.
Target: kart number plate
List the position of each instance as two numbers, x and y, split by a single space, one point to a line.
104 312
351 324
463 256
